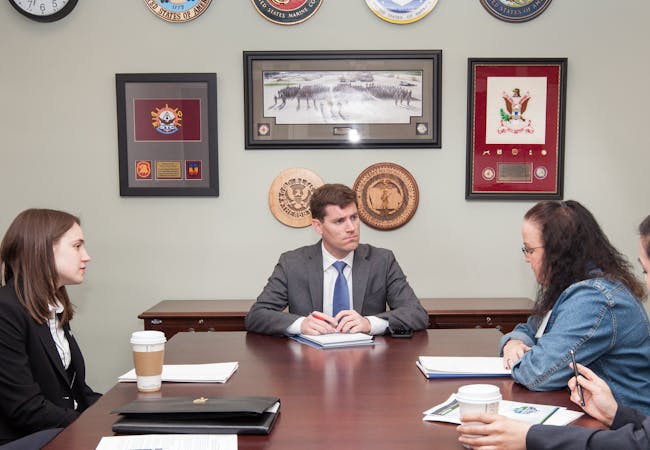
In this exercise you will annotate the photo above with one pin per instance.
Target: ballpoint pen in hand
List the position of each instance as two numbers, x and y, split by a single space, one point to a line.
575 372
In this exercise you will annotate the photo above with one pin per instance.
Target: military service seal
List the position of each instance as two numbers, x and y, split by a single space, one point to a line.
387 196
287 12
401 11
289 196
178 10
515 10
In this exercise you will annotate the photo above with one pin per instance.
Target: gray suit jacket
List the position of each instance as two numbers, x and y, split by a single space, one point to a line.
296 284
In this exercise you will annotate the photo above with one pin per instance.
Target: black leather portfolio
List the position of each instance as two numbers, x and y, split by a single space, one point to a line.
186 415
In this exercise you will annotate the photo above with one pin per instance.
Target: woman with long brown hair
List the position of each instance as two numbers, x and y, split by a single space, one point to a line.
42 372
629 428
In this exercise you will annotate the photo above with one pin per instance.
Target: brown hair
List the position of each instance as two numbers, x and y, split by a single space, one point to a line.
330 194
644 231
575 249
27 258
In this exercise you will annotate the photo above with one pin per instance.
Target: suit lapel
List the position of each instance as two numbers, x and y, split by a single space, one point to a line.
47 341
315 271
360 273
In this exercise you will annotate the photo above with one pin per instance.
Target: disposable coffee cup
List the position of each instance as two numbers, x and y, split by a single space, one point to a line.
478 398
148 356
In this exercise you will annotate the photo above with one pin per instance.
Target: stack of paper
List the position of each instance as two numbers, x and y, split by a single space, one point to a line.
461 366
335 340
449 411
170 442
191 373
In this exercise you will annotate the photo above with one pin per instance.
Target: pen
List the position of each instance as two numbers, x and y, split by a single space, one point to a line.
319 317
575 372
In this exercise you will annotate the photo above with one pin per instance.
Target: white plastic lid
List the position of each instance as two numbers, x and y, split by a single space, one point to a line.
478 393
148 337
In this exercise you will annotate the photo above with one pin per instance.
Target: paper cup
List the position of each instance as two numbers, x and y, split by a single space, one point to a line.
148 356
478 398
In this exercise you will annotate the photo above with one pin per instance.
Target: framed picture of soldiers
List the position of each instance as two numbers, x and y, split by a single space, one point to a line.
342 99
515 128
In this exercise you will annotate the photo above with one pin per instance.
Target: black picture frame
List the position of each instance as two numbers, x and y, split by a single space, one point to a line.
515 128
167 134
342 99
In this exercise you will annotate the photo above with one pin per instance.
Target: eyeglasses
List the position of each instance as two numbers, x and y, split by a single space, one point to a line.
529 250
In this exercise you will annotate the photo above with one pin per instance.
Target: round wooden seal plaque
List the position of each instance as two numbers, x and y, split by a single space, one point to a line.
387 196
289 196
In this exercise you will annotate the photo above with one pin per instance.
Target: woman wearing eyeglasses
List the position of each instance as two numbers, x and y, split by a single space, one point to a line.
588 301
628 427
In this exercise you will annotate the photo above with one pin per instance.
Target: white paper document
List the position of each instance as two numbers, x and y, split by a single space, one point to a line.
458 366
449 411
334 340
191 373
170 442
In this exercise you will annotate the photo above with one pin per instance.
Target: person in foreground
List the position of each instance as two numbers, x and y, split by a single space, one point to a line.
629 429
588 302
42 373
336 284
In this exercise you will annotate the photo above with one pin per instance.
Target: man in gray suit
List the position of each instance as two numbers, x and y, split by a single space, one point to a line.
336 284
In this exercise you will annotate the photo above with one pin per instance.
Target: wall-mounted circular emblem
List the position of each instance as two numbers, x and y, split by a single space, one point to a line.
515 10
289 196
387 196
541 172
178 10
488 174
287 12
401 11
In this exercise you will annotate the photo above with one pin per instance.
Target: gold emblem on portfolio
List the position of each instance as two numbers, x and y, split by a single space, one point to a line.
387 195
290 194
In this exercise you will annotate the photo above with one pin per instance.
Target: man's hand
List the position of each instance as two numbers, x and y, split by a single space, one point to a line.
350 321
318 323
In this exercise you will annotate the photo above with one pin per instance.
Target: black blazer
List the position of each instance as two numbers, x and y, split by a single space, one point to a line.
36 392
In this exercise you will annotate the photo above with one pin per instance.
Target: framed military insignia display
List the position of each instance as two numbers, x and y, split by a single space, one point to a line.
342 99
167 134
515 128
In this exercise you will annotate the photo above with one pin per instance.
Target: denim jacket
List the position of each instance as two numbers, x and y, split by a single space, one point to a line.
606 327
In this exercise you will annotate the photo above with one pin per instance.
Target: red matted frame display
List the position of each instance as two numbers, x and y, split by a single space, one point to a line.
167 134
515 128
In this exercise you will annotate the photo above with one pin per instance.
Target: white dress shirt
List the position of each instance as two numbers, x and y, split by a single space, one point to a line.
330 274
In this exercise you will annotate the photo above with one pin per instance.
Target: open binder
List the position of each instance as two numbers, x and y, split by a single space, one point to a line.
187 415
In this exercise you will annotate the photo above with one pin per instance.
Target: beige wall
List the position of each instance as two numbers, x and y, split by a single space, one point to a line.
59 149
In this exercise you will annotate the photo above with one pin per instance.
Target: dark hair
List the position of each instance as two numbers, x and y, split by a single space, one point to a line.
575 245
330 194
27 257
644 231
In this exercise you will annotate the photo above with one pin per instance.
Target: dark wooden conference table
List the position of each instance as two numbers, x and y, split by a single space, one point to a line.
353 398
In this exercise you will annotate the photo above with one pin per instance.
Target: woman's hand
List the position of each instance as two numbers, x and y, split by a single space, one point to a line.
497 432
513 351
599 401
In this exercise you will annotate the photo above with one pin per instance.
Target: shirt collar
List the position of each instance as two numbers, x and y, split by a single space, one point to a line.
328 259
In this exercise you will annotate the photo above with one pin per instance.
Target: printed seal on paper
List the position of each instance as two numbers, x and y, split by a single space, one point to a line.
289 196
401 11
387 196
515 10
287 12
178 11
